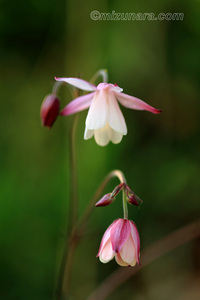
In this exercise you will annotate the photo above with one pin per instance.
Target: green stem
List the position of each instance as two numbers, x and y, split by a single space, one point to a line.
125 205
101 72
56 87
73 209
69 244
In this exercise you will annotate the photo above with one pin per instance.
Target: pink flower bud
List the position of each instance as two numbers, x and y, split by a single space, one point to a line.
105 200
121 240
49 110
132 200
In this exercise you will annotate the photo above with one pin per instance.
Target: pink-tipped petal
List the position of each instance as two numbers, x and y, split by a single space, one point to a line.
135 103
127 252
78 104
136 240
77 82
119 234
105 237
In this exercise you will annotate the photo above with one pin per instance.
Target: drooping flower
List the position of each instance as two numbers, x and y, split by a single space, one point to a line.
104 120
49 110
121 240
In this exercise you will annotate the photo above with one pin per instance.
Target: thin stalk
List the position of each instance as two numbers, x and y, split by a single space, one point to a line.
125 205
69 244
101 72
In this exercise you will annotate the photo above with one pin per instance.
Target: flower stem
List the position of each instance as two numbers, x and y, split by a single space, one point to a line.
125 205
101 72
56 87
69 243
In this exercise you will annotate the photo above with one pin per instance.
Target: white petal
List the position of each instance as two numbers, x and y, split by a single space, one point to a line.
88 134
102 135
98 112
106 134
79 83
107 253
120 261
128 253
115 116
115 136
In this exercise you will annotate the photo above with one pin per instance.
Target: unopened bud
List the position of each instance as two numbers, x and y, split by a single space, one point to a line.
133 199
105 200
49 110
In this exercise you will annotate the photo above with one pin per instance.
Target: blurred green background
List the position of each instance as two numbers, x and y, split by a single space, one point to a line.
157 61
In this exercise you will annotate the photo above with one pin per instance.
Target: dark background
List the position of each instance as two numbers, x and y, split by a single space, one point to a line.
157 61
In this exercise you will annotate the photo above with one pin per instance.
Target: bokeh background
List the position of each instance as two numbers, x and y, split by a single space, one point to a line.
157 61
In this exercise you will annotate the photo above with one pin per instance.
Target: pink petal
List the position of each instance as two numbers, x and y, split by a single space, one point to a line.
119 234
77 104
136 240
135 103
105 237
79 83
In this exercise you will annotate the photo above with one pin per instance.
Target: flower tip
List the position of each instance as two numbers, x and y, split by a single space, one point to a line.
105 200
158 111
49 110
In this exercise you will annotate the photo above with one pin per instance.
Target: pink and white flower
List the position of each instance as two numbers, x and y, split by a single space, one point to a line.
121 240
104 120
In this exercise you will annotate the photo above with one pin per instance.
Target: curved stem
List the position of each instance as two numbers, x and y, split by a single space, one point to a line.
150 254
101 72
112 174
56 87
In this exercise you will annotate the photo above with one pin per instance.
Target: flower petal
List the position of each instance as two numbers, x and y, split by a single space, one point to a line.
136 240
128 253
135 103
78 104
77 82
119 234
88 134
107 252
98 112
115 136
120 261
105 237
115 116
102 135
